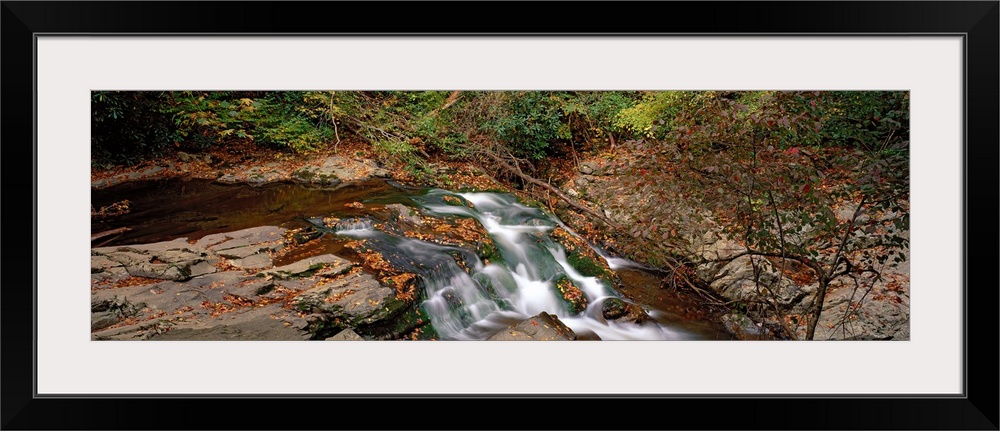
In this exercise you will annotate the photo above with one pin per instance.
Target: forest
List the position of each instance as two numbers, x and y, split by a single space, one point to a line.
766 214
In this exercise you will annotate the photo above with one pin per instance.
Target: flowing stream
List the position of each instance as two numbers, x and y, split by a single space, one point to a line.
464 297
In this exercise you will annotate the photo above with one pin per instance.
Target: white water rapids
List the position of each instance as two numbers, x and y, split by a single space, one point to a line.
474 304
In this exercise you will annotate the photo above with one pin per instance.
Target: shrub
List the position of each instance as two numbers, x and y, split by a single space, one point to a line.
127 125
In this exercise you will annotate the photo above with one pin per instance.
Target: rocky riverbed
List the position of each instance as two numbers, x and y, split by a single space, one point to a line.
211 284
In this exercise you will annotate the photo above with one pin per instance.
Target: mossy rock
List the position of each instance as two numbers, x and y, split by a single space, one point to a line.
621 311
586 265
391 322
456 201
571 295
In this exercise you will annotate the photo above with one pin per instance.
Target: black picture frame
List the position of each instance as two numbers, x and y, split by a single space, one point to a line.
977 21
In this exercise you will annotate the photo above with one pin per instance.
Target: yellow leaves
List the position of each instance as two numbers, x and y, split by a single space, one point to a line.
134 281
330 221
338 296
375 260
406 289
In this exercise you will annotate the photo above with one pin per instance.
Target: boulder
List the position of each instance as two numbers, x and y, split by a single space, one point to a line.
405 214
541 327
346 335
621 311
326 265
170 260
335 169
356 298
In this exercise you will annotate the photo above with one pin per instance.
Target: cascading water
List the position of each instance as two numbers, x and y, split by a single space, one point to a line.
468 299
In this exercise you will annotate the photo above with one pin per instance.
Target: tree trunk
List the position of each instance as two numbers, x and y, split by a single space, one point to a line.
817 308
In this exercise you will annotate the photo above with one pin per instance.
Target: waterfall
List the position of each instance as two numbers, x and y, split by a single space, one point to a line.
474 299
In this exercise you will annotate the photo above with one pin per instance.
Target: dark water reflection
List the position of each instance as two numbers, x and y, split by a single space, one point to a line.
167 209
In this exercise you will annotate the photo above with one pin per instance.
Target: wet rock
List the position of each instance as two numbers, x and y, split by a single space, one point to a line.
336 169
177 244
359 302
354 298
104 182
250 288
254 261
170 260
315 175
228 179
327 265
102 320
541 327
743 327
405 214
127 332
258 176
196 301
254 323
265 237
378 171
109 311
346 335
621 311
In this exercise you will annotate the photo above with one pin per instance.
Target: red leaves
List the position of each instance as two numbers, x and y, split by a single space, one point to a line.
805 188
793 151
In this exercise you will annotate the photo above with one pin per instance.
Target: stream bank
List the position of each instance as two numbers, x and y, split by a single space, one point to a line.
285 260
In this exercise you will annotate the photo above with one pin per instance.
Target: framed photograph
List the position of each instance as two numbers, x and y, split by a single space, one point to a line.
932 366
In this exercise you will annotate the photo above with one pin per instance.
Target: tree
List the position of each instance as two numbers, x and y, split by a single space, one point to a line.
127 125
809 180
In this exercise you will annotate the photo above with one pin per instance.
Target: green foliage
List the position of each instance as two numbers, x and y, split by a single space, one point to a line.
598 113
297 120
528 122
866 119
127 125
202 119
585 265
652 117
401 152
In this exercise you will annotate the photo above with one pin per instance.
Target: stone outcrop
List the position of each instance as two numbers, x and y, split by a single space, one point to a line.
195 290
336 169
541 327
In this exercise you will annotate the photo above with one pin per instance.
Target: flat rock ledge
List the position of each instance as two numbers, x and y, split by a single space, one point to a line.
225 287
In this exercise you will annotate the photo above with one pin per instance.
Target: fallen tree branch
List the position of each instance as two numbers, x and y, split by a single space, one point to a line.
451 100
100 235
503 163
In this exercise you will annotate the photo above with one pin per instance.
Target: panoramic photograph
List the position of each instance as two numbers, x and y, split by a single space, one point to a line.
722 215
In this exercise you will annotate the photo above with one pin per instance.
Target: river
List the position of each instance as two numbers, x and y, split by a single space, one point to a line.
465 297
